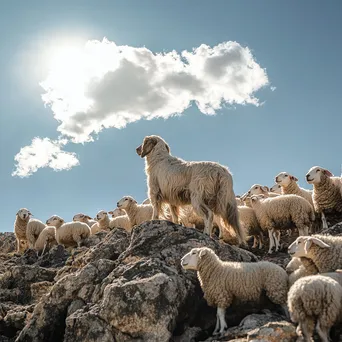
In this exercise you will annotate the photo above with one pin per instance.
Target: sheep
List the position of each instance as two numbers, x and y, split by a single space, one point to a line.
116 212
276 188
289 186
221 281
69 234
207 186
280 213
300 267
102 222
80 217
239 201
20 224
33 229
316 298
327 191
325 251
257 189
121 221
137 213
47 238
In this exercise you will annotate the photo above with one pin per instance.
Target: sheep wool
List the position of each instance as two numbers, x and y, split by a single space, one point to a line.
20 224
121 221
33 230
46 239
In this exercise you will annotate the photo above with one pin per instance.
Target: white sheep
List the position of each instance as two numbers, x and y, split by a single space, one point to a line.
300 267
33 229
327 191
222 281
289 186
116 212
257 189
207 186
325 251
69 234
137 213
80 217
316 298
102 222
46 239
276 188
20 224
121 221
282 212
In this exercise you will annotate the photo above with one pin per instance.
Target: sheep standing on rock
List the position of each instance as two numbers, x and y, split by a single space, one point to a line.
46 239
222 281
281 212
137 213
207 186
325 251
69 234
33 229
80 217
20 224
316 298
102 222
121 221
327 191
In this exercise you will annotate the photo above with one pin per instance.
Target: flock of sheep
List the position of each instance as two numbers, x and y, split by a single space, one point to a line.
201 195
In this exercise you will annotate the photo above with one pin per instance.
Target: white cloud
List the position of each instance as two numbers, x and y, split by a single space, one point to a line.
43 153
104 85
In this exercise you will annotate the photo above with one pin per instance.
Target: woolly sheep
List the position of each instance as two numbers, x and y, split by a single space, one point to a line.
325 251
102 222
222 281
137 213
300 267
80 217
33 229
207 186
327 191
316 298
116 212
121 221
20 224
69 234
46 239
289 186
280 213
276 188
258 189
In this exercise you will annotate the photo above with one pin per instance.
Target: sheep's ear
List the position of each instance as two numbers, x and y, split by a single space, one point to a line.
319 242
265 188
327 173
167 147
148 146
294 178
307 245
88 217
202 253
110 212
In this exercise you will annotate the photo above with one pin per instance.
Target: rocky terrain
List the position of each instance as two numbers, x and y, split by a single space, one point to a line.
122 287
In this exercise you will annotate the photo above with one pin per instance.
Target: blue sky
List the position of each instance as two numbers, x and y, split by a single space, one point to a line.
299 125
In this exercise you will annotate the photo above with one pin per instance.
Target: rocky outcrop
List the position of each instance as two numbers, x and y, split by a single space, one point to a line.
126 287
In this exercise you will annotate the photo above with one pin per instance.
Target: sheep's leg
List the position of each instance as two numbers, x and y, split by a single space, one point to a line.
276 235
261 240
217 326
207 215
45 244
174 214
18 246
306 231
323 332
221 314
324 221
286 311
271 243
307 331
255 241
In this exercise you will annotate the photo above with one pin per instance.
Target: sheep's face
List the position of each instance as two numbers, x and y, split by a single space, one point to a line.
257 189
54 220
81 218
276 188
149 144
301 246
316 174
294 264
190 260
284 179
102 214
125 202
116 212
257 198
24 214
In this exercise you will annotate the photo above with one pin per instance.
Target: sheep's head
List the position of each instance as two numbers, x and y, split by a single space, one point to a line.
81 217
257 198
316 174
149 143
276 188
301 246
116 212
258 189
126 202
284 178
24 214
54 220
293 264
190 260
101 215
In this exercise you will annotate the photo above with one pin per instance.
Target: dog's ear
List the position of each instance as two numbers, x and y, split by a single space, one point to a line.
147 146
